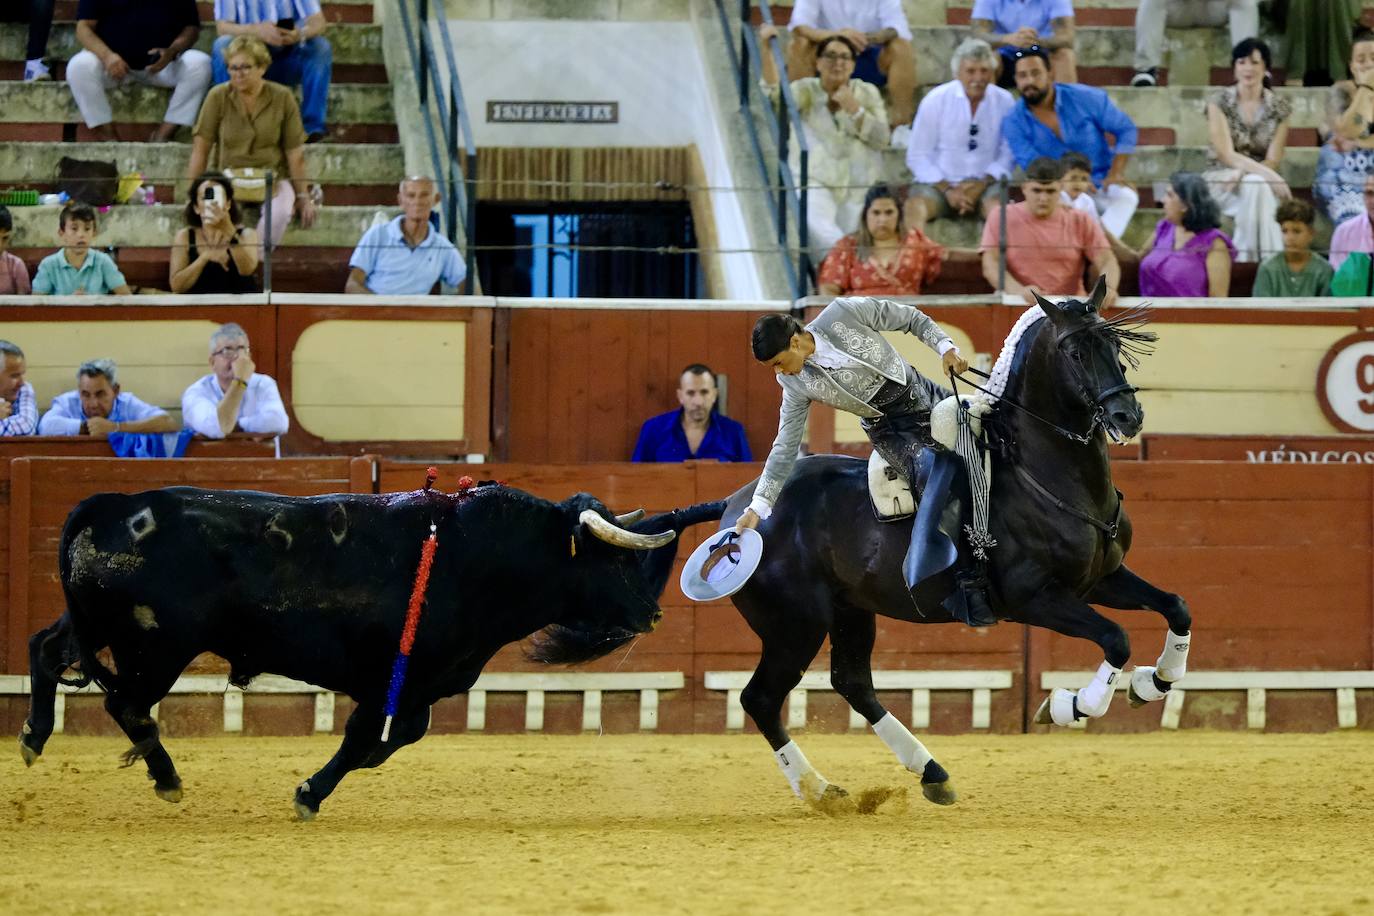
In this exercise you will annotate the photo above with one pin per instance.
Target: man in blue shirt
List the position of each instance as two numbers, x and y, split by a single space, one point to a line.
97 407
695 430
1053 119
406 256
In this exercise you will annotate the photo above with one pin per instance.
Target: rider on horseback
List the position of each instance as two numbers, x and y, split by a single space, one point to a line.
842 359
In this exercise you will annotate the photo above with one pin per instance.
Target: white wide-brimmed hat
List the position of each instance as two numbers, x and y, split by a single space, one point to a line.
722 564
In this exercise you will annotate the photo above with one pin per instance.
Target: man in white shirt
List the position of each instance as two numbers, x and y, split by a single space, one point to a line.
233 397
97 407
880 32
957 151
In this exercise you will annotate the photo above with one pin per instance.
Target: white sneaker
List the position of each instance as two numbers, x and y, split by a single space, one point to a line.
35 71
901 136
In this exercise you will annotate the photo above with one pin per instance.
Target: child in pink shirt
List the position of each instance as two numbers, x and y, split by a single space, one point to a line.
14 276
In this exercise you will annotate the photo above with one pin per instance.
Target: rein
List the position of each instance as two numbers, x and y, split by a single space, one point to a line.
1108 529
1080 438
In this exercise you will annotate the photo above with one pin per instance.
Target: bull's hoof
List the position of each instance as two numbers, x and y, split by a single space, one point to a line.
305 803
169 793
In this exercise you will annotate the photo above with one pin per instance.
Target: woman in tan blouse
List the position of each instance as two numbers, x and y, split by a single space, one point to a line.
254 123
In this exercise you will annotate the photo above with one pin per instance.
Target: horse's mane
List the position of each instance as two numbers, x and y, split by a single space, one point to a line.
1125 331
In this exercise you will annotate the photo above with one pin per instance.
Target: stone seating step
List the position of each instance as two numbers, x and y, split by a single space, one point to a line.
51 102
154 227
331 164
353 43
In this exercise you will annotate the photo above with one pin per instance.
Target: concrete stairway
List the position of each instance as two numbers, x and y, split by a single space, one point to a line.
358 166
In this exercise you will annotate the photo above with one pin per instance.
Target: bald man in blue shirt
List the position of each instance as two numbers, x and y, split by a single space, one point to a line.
695 430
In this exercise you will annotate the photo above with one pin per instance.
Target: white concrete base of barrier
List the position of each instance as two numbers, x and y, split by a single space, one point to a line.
533 685
1254 683
920 683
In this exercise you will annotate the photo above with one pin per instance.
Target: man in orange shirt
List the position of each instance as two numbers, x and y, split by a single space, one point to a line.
1048 245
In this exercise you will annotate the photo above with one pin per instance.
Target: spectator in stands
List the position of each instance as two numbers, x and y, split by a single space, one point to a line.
1190 255
1009 25
214 253
97 407
78 269
1247 124
1054 118
1316 38
957 151
233 397
880 36
151 41
293 31
696 430
14 276
1296 271
1048 245
18 406
881 258
254 123
406 256
1347 156
1152 16
1356 233
846 128
38 14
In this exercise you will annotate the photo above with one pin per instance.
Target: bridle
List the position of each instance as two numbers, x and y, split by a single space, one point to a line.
1099 417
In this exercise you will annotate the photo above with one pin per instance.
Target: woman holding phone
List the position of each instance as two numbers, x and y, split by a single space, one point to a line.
214 253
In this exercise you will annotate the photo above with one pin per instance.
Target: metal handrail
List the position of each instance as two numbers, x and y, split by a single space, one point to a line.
783 125
455 166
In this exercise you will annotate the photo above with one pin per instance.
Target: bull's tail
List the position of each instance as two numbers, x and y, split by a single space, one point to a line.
83 634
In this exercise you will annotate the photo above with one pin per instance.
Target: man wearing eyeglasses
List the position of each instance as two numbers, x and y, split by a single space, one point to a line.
881 36
233 397
1053 119
957 152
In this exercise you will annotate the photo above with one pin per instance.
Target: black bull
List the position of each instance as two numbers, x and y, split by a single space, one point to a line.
829 567
316 589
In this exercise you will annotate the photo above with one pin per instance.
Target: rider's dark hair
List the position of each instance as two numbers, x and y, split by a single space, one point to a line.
1201 211
773 334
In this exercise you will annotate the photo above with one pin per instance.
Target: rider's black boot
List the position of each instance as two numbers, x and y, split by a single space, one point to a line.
970 604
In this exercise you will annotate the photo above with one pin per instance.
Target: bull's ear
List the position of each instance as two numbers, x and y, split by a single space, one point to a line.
1099 293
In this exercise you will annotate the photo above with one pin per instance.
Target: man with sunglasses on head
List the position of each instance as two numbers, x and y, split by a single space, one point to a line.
233 397
957 151
1053 119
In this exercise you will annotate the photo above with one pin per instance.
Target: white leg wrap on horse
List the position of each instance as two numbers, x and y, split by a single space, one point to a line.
1143 683
910 752
1094 699
1173 661
799 772
1061 706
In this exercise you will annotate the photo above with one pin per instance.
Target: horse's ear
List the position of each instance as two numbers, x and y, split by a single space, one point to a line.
1051 309
1099 293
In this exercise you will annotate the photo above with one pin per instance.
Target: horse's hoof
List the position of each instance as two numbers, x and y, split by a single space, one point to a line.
1145 687
305 802
1042 715
942 793
168 793
28 753
1059 708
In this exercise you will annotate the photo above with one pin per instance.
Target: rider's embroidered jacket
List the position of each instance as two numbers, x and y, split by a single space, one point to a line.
853 327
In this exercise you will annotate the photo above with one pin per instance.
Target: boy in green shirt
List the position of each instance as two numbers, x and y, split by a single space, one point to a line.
77 270
1296 272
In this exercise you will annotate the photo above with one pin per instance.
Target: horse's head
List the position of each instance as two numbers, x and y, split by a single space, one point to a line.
1090 358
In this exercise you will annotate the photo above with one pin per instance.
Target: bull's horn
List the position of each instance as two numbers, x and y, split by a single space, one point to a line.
629 518
613 534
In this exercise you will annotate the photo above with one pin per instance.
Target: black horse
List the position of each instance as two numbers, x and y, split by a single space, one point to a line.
1062 534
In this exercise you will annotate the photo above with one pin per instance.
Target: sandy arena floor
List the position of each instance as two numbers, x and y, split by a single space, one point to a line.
1191 822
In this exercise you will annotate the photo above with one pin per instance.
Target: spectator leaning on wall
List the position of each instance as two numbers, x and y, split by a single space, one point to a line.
18 407
97 407
234 397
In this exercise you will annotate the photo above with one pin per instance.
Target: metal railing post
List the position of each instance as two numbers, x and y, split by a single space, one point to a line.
267 246
743 56
1002 233
803 234
424 51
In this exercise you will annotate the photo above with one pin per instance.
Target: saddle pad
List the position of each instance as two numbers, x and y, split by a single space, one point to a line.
892 498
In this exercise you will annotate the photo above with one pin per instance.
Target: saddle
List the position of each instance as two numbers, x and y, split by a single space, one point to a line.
891 496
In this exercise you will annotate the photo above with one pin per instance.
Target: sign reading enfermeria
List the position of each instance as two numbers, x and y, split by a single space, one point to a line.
553 112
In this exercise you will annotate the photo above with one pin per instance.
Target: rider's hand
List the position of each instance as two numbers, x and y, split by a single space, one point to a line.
750 519
954 362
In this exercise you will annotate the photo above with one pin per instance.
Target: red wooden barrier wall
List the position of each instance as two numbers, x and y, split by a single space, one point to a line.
1275 561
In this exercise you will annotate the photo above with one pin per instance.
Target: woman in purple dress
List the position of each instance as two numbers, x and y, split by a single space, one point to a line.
1191 256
